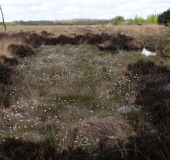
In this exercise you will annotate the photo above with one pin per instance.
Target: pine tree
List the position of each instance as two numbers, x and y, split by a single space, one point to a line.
164 17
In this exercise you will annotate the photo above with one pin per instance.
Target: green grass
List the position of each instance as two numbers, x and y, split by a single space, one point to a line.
72 81
9 24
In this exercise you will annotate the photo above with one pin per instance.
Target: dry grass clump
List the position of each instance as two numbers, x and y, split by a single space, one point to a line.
92 131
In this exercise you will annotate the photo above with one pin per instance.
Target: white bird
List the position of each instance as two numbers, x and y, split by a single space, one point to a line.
147 52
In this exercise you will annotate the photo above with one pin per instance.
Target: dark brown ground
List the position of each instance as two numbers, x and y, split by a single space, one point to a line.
30 40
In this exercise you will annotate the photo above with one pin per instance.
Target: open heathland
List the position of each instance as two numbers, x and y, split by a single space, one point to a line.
84 92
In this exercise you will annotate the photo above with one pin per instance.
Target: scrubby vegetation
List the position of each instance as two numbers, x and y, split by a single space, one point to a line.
117 20
69 102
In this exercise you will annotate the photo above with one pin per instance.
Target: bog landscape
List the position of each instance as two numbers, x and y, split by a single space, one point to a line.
84 92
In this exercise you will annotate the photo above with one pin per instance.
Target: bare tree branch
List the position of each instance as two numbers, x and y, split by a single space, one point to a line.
3 18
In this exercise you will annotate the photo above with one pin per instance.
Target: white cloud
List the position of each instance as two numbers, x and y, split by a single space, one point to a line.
92 2
44 7
66 9
19 2
69 9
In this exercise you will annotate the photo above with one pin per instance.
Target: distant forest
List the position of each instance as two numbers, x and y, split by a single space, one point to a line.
150 19
64 22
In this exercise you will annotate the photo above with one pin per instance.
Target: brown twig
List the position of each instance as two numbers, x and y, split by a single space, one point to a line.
3 18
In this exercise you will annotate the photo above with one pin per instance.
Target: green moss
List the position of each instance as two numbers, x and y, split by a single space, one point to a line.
77 97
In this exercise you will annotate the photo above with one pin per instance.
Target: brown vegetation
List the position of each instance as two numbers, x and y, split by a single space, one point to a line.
51 35
29 40
71 31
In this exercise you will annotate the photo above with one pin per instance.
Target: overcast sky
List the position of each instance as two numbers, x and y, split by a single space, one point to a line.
70 9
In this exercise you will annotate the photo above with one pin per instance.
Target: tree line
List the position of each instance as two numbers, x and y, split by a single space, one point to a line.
163 18
64 22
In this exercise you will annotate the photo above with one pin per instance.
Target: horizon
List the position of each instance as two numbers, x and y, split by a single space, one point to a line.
75 19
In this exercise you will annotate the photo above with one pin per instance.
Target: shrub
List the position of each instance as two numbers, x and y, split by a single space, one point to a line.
118 19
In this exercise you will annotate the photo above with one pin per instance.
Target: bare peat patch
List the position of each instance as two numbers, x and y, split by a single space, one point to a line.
20 50
153 93
115 41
